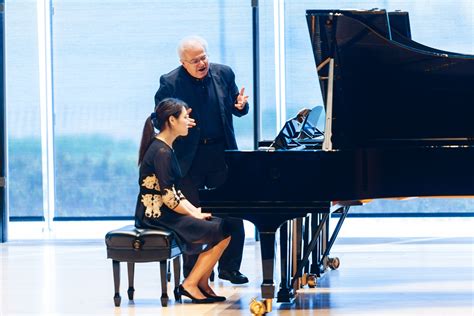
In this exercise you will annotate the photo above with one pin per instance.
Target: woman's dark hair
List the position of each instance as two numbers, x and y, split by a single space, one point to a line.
158 119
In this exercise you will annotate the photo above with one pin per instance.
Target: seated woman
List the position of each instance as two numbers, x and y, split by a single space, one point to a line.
160 205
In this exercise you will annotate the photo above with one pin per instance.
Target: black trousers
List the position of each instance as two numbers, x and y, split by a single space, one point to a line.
209 170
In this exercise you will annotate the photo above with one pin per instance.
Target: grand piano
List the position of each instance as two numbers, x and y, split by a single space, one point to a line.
399 123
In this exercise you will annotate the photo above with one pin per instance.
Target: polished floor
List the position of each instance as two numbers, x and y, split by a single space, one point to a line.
388 267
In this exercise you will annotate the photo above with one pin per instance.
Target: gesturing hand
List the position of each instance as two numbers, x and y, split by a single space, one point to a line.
191 121
241 99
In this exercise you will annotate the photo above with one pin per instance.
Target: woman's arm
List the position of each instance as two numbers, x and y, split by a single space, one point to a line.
176 201
186 208
182 208
166 175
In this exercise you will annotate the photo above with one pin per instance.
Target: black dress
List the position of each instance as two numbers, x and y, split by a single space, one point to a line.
159 174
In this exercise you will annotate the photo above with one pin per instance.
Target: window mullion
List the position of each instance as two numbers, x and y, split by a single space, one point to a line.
46 109
280 84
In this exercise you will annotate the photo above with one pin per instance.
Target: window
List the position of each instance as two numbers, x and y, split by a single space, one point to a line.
107 59
108 56
23 116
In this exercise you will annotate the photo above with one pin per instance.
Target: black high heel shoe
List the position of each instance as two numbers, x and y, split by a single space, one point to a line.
180 291
216 298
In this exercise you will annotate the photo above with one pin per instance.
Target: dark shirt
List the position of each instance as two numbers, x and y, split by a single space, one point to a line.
179 84
210 122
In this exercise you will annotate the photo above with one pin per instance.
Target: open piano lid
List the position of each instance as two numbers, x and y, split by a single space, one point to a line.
389 90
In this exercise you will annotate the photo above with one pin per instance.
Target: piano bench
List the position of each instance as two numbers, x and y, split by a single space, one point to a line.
130 244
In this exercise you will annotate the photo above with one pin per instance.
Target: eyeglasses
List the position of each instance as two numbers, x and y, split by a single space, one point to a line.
197 60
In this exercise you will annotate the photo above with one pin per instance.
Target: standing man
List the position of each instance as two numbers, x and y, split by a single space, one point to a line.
213 97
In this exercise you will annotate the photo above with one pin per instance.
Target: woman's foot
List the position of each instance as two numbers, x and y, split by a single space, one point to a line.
193 293
193 290
209 293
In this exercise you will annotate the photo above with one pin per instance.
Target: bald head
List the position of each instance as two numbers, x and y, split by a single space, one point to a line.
191 43
192 52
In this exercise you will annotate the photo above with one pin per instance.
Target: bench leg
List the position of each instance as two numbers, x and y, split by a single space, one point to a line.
131 275
116 270
168 273
177 272
164 282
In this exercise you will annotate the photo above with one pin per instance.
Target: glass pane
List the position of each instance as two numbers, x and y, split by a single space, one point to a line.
438 24
108 57
267 70
23 112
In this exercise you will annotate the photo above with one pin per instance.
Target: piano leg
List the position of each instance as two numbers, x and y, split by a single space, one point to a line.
296 254
333 263
267 250
310 248
267 229
316 253
321 238
324 245
285 294
304 279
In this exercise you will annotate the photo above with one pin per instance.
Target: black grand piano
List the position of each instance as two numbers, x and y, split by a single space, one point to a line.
399 123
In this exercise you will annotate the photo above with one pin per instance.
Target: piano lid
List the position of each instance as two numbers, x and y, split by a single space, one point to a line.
389 90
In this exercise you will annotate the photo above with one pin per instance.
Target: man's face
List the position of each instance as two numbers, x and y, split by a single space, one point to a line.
195 61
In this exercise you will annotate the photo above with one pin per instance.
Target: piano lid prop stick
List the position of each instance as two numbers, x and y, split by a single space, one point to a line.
327 143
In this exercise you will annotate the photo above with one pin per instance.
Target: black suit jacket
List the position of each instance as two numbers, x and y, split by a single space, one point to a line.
179 84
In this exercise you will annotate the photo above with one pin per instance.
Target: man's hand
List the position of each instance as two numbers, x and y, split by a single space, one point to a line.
241 99
191 121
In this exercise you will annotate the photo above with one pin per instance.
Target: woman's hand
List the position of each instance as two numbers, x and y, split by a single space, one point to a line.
202 215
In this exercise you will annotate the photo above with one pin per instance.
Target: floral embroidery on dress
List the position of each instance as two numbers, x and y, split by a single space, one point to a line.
171 198
151 182
153 203
181 195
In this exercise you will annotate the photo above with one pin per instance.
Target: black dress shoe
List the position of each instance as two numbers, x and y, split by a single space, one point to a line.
216 298
181 291
233 276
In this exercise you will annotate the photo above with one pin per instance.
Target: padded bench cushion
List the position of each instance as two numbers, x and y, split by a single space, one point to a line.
133 244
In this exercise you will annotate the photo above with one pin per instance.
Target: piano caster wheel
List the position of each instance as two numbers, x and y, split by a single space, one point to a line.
304 279
312 281
333 263
258 308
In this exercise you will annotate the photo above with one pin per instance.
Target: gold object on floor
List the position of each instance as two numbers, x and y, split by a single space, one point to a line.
268 304
257 308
